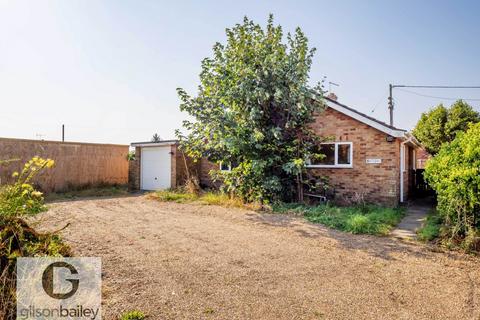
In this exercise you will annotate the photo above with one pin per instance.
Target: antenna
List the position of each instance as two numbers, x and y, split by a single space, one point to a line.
330 83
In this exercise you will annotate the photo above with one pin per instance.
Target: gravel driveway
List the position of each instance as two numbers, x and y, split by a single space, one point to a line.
184 261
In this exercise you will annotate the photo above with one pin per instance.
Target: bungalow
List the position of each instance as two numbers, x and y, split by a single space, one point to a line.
365 158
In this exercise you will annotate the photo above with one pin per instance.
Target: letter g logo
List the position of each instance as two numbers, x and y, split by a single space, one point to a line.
47 280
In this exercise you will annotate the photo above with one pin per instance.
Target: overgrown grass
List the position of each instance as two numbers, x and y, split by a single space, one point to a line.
431 227
102 191
358 220
206 198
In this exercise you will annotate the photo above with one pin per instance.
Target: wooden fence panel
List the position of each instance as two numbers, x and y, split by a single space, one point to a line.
77 165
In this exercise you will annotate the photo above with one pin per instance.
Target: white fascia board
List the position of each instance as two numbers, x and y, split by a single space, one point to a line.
367 121
156 144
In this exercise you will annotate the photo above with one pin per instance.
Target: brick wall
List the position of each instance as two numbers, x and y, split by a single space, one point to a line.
205 178
76 164
377 183
178 173
134 170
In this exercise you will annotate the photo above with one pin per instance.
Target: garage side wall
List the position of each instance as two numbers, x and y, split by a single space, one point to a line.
77 165
179 169
134 170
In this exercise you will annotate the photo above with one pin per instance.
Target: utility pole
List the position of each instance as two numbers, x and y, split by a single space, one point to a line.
391 86
390 104
63 133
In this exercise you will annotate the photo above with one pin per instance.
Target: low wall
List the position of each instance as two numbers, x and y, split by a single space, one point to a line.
76 164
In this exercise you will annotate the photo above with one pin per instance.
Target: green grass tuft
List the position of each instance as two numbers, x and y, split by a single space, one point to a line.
133 315
431 227
173 196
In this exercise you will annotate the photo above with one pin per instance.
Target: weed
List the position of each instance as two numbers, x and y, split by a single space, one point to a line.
362 219
133 315
430 229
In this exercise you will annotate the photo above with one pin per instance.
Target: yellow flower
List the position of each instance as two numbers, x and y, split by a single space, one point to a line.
15 174
37 194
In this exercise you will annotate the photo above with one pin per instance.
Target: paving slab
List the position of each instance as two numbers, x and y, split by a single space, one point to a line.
413 220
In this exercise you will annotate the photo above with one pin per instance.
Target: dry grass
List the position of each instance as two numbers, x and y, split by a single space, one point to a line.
101 191
205 198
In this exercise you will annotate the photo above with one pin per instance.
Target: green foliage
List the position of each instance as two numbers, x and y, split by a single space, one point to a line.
17 238
454 173
131 156
431 228
440 125
20 198
253 109
358 220
173 196
133 315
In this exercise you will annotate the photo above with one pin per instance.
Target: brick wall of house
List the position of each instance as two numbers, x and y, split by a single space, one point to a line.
77 165
377 183
205 178
422 158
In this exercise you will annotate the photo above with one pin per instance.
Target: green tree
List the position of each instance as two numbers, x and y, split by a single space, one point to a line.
156 138
454 173
253 110
440 125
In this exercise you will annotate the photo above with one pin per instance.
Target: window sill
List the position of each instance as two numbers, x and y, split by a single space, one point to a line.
327 166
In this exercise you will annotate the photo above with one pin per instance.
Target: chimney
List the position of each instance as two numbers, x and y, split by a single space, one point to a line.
332 96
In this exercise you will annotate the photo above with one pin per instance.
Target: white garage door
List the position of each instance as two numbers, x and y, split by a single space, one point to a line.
155 168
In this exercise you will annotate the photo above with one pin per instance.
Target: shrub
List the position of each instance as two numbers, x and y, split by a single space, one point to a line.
133 315
454 173
17 238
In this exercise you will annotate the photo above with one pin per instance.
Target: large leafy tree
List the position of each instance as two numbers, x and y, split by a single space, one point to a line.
253 110
440 125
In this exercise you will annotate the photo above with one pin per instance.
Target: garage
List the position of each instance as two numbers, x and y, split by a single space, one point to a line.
156 168
154 160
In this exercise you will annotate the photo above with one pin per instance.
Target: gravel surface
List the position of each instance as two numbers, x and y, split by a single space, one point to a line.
185 261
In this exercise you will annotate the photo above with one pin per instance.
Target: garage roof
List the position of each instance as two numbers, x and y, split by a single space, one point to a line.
154 144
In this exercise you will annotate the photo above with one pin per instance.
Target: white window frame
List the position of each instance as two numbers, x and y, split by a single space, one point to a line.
226 170
336 164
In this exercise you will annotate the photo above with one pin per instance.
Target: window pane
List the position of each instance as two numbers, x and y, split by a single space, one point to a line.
224 166
344 154
328 150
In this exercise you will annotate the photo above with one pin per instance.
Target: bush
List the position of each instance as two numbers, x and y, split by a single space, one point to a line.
454 173
17 238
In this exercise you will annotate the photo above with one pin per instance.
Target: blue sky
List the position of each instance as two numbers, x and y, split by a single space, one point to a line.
109 69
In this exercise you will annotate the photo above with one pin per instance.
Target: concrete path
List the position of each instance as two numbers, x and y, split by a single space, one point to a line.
416 214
